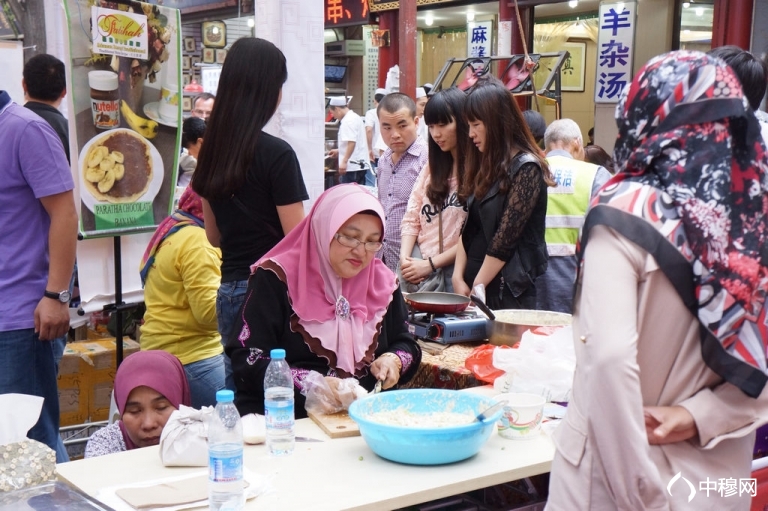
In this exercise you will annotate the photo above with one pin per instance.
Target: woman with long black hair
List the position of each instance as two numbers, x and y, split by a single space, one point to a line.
250 181
434 218
505 187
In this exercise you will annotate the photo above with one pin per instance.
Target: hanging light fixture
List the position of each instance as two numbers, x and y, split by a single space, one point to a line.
573 4
470 15
428 20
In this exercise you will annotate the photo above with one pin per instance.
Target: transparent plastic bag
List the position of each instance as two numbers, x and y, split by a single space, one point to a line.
327 394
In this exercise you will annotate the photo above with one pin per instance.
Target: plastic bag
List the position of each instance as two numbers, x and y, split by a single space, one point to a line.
184 440
327 394
480 362
542 364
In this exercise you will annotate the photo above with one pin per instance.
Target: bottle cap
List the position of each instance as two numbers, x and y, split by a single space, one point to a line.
102 80
225 396
278 353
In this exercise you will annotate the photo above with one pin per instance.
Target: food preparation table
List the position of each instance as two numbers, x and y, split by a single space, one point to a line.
339 474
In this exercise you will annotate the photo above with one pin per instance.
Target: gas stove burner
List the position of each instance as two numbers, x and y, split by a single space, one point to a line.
448 328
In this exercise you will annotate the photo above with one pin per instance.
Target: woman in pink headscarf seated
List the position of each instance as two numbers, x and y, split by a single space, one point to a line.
149 386
322 296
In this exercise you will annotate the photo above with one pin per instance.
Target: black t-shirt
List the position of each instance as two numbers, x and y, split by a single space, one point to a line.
274 179
55 118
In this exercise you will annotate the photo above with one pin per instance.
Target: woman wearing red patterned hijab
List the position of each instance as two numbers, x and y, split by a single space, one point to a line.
669 310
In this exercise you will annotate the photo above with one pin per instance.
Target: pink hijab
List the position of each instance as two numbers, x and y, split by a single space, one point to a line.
158 370
343 314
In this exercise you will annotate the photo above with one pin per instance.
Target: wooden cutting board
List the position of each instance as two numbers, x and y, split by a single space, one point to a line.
337 425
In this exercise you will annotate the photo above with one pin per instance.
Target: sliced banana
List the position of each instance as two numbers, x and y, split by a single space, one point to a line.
118 171
107 182
117 156
94 174
95 156
106 164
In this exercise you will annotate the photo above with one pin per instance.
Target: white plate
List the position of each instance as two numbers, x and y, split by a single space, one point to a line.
157 170
152 110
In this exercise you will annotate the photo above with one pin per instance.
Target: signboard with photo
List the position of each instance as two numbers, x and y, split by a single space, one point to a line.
126 112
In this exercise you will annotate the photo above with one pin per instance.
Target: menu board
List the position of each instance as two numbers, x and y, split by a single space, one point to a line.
124 98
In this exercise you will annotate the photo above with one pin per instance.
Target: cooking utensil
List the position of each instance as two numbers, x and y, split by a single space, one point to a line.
490 412
483 307
377 387
437 302
510 324
307 439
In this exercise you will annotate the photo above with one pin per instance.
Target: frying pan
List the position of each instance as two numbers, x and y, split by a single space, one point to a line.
437 302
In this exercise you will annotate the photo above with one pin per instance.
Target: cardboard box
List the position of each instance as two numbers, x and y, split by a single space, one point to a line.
86 378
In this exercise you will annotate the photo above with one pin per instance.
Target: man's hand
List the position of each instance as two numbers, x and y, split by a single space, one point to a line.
51 319
333 153
342 167
668 424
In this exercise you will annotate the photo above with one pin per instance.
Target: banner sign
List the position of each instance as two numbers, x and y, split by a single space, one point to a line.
615 45
479 38
119 33
126 113
344 13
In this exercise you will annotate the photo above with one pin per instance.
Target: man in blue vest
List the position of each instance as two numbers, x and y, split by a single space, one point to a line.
576 182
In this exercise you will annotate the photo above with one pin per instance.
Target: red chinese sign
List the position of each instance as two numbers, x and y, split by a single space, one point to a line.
343 13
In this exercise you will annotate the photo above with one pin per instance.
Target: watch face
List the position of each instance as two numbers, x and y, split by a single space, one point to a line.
64 296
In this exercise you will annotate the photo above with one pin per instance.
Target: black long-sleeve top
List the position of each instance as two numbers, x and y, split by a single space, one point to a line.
272 323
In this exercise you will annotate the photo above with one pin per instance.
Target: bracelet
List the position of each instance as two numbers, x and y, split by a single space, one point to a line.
432 264
397 360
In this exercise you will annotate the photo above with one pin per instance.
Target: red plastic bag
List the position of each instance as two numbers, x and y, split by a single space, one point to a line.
480 362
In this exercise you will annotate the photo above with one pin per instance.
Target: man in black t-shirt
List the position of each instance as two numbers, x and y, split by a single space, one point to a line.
45 85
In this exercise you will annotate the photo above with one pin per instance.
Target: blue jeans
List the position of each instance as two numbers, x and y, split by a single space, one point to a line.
27 367
229 299
205 378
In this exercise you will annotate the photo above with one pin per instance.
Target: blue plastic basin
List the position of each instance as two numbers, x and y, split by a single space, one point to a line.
424 446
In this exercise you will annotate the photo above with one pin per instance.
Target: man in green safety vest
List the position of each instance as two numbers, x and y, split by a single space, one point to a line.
576 182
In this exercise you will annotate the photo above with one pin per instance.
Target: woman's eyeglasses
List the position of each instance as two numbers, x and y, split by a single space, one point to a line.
346 241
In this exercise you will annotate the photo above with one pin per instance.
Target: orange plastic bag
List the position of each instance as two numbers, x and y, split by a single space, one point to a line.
480 362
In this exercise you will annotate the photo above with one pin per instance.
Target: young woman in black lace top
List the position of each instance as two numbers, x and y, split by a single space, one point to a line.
505 187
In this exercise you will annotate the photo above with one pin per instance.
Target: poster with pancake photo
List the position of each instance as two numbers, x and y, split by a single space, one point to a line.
124 94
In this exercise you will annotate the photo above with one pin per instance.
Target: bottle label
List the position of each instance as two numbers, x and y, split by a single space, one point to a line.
279 414
225 467
106 113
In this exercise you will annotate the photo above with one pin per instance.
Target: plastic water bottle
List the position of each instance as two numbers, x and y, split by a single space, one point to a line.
225 455
278 405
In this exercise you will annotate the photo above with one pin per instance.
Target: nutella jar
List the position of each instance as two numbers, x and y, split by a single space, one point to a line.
105 99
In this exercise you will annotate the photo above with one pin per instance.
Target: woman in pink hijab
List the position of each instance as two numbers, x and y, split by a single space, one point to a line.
322 295
149 386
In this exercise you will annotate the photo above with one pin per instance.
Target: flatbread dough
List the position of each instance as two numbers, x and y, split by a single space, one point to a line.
177 493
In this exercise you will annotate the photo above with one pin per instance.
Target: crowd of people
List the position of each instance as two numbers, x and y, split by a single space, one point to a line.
659 252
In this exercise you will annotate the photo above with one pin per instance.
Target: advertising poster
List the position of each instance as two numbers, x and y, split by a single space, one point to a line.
126 112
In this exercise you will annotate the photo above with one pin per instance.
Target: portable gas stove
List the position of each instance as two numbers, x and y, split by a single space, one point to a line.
448 328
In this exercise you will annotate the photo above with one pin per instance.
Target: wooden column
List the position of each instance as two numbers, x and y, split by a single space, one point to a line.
732 23
407 54
388 55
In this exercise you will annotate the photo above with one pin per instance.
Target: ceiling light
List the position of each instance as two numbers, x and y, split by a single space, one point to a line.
215 30
429 20
686 4
699 11
251 22
573 4
470 15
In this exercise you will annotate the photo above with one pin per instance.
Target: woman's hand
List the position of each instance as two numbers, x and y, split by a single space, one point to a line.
668 424
386 368
415 270
459 286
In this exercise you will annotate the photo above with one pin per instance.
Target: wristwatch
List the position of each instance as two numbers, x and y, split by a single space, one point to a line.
62 296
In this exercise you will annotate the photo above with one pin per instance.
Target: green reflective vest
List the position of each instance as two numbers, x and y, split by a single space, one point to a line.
567 203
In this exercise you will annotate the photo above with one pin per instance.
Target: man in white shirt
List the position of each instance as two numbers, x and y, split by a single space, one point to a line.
352 142
373 134
421 103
